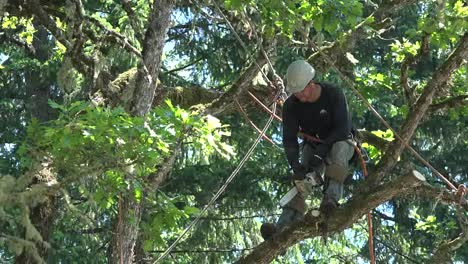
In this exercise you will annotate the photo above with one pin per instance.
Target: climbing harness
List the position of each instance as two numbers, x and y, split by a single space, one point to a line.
289 195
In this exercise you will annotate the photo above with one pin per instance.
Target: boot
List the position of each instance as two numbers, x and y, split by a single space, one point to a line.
288 216
268 230
327 206
332 193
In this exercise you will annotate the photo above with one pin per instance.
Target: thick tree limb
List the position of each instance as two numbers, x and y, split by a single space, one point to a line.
35 7
227 99
83 63
148 70
370 138
342 218
440 78
365 199
440 195
120 91
452 102
126 225
444 252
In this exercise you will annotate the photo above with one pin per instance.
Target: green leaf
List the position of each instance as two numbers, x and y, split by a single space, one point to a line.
54 105
191 210
147 245
318 22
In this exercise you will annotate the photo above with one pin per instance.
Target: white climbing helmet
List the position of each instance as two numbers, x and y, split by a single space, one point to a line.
299 74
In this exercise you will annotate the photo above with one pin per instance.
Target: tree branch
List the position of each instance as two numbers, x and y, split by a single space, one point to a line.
96 230
365 199
390 7
370 138
382 215
441 195
405 66
226 100
127 6
213 218
148 70
11 37
83 63
440 78
395 251
184 66
163 171
115 36
210 250
35 8
453 102
444 253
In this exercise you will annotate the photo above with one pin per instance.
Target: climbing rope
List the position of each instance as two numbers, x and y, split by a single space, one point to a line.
363 168
246 117
384 122
220 191
278 83
369 216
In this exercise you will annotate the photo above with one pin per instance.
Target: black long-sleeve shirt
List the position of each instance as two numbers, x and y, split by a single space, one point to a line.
327 119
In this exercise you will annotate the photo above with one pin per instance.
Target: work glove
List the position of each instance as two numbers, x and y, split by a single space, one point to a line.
299 172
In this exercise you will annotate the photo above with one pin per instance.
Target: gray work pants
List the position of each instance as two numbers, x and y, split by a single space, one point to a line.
335 170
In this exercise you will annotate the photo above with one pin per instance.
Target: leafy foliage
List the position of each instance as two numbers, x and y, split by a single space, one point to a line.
97 154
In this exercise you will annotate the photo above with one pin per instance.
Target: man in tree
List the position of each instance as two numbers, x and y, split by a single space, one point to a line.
319 110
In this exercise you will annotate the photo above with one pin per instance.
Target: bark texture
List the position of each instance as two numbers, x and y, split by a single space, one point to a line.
365 199
439 79
121 248
148 69
41 215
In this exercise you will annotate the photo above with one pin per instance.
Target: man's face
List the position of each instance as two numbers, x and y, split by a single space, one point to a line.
308 94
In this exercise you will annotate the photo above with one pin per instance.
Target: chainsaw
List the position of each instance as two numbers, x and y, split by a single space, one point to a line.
303 187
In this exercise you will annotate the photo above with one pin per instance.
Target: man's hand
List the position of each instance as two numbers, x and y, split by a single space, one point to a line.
299 172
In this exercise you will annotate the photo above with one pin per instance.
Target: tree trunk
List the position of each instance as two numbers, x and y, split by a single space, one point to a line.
38 93
125 233
121 248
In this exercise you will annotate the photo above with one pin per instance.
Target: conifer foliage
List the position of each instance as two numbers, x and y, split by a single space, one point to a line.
119 121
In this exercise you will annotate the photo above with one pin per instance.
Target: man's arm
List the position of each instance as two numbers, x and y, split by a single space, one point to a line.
290 130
